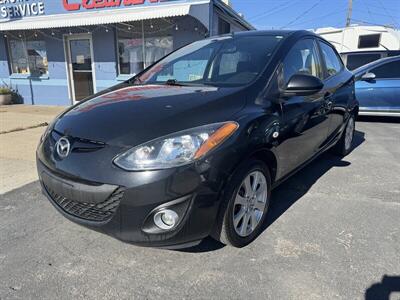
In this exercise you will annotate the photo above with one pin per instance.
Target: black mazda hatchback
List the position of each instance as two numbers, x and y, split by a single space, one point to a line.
193 146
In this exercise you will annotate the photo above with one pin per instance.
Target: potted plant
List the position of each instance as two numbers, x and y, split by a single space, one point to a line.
5 95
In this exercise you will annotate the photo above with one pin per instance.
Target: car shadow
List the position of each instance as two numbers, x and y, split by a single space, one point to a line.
286 194
382 290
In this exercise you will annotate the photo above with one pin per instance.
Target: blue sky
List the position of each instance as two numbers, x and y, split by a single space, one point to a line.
310 14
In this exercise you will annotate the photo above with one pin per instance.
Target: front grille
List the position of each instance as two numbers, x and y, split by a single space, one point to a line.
99 212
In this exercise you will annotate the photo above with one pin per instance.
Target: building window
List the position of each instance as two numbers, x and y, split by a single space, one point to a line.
156 48
137 51
130 51
223 26
357 60
369 41
28 56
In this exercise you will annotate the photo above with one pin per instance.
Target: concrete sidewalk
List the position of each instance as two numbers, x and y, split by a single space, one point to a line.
18 117
20 129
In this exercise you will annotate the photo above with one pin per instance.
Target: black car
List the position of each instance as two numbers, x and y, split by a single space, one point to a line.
194 145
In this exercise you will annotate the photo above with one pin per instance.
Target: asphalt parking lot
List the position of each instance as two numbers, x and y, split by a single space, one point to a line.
333 232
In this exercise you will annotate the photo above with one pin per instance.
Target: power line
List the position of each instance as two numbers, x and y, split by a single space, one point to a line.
369 11
388 14
268 12
321 17
302 14
373 13
367 22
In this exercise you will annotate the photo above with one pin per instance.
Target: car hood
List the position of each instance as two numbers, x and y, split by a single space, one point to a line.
128 115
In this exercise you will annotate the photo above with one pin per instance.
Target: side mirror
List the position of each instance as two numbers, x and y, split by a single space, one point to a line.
368 77
303 85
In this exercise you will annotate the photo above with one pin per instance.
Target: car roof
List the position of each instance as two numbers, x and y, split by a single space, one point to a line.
284 33
375 63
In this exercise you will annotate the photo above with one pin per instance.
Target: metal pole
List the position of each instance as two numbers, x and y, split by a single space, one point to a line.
143 46
349 13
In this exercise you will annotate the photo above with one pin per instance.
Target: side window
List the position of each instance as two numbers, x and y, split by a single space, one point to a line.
332 61
388 70
303 59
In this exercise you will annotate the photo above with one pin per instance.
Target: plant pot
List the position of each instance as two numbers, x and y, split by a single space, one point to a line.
5 99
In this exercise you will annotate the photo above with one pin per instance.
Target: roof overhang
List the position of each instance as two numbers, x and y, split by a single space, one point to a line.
108 16
228 10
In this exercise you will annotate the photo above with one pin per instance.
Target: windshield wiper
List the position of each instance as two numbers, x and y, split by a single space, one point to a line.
135 80
175 82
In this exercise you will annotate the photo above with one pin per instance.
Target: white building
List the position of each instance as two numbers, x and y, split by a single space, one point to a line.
360 45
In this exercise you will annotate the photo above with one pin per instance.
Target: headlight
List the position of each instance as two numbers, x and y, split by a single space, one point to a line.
176 149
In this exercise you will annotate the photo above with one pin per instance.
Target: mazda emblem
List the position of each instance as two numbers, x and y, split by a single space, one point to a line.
63 147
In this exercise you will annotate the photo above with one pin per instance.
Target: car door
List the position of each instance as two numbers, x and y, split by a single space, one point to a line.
338 88
303 117
383 92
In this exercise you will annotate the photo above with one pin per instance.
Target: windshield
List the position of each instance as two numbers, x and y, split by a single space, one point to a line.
228 61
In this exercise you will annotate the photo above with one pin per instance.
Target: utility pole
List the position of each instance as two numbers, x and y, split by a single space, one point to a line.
349 13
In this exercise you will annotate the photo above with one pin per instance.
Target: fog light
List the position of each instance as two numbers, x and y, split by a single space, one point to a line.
166 219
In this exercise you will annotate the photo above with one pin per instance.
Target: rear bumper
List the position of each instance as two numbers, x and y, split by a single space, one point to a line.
125 212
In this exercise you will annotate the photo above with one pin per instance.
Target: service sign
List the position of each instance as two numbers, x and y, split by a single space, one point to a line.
11 9
18 9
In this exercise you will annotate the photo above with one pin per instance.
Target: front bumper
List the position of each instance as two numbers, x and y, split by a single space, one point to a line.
123 211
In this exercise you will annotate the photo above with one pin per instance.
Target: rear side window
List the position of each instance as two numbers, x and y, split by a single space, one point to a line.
303 59
332 61
388 70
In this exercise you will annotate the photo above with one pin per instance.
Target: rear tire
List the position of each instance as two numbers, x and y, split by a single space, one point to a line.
244 206
345 144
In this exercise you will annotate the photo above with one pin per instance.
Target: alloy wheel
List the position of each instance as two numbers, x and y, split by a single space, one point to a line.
250 203
349 133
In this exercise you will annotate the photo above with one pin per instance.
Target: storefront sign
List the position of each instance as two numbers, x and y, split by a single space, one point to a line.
10 9
19 9
91 4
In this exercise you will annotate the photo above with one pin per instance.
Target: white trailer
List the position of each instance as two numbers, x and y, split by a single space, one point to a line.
359 45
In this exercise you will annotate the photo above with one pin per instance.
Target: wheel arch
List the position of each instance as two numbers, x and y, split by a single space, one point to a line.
356 110
269 158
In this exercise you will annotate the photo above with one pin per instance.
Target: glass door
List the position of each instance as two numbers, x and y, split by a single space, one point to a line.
80 66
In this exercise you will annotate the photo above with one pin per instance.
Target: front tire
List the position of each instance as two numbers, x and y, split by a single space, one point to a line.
244 205
345 144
